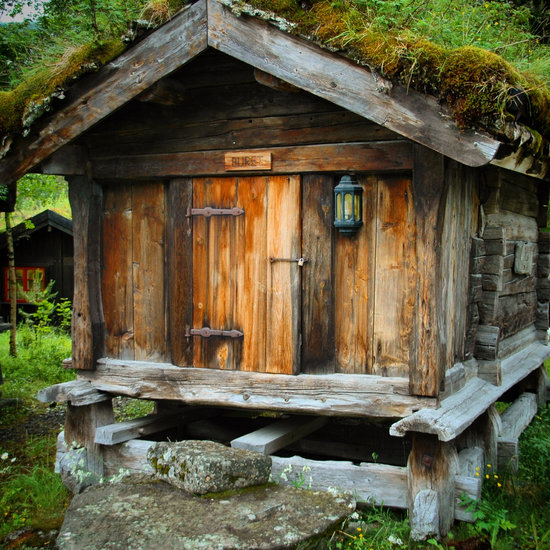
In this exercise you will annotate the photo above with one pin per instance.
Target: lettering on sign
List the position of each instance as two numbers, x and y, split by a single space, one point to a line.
247 160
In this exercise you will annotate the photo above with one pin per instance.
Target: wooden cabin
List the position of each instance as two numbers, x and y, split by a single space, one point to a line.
43 252
202 166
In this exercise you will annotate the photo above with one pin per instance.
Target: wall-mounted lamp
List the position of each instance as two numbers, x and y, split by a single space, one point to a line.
348 205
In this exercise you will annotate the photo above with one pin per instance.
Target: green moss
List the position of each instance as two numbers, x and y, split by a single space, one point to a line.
20 106
162 469
476 84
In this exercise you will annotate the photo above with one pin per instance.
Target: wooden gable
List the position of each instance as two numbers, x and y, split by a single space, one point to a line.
207 23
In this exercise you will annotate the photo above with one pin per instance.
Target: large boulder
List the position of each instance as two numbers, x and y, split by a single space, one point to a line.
201 467
138 513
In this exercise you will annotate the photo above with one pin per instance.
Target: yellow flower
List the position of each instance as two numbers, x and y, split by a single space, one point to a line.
489 466
499 484
487 476
495 476
477 474
359 529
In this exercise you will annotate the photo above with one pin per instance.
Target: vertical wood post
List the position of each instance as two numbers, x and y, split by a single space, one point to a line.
179 258
80 426
86 200
431 470
426 366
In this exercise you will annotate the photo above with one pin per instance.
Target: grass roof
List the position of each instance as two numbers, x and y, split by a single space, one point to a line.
396 38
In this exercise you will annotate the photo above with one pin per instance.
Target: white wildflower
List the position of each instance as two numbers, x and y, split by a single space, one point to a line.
395 540
4 456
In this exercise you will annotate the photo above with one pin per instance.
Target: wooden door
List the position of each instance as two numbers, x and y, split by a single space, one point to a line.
242 277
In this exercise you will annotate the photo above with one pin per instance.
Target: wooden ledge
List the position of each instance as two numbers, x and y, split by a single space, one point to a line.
332 395
77 392
459 411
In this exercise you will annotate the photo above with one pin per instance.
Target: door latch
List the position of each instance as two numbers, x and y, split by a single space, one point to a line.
299 261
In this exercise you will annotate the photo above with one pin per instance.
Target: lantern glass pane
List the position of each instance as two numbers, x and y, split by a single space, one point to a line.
339 208
348 206
357 201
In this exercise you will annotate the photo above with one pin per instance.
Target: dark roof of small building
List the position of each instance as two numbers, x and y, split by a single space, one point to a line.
47 218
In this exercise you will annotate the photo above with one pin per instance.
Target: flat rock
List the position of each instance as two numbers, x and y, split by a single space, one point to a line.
202 467
139 513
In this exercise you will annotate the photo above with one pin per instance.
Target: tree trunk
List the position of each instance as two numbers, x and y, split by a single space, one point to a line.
12 285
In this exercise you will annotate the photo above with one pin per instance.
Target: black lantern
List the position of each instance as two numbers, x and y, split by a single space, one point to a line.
348 205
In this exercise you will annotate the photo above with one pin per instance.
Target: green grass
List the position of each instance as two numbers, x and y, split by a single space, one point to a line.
31 494
38 363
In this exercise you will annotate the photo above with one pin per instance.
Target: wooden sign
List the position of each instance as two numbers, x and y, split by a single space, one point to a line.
247 160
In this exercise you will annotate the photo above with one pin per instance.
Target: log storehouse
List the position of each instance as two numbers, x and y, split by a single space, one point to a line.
285 251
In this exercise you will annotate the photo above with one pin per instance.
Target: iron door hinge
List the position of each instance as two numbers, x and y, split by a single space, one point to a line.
207 332
209 211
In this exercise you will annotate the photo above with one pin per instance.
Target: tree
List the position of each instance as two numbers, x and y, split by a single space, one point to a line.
12 285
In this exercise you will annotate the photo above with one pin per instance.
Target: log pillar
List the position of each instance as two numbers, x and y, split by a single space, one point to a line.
431 470
86 200
80 427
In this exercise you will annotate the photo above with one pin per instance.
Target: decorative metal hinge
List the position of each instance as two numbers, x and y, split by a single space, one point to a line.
206 332
209 211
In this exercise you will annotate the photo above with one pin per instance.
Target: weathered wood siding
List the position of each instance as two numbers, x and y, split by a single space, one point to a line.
505 263
133 271
461 225
224 108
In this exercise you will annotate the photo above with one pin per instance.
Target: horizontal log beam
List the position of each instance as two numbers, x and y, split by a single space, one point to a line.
273 437
459 411
77 392
380 484
331 394
387 156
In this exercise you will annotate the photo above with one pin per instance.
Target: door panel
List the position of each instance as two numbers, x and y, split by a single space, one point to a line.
235 286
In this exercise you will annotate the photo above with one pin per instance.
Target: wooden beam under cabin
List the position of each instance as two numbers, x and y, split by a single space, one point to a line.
379 484
332 394
277 435
461 409
330 76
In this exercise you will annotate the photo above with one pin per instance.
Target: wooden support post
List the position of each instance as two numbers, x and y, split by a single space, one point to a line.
80 429
432 467
427 367
87 324
514 420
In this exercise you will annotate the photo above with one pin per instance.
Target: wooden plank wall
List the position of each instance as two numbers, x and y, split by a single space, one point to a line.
460 225
225 108
505 260
133 271
358 291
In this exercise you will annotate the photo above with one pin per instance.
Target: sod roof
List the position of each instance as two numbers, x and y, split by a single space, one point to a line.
480 89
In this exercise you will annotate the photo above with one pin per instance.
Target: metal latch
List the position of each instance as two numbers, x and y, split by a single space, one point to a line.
206 332
299 261
209 211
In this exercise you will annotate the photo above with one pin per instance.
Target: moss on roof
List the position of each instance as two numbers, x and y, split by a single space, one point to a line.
22 105
482 89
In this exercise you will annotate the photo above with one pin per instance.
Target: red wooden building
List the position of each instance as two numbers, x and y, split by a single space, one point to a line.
204 167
